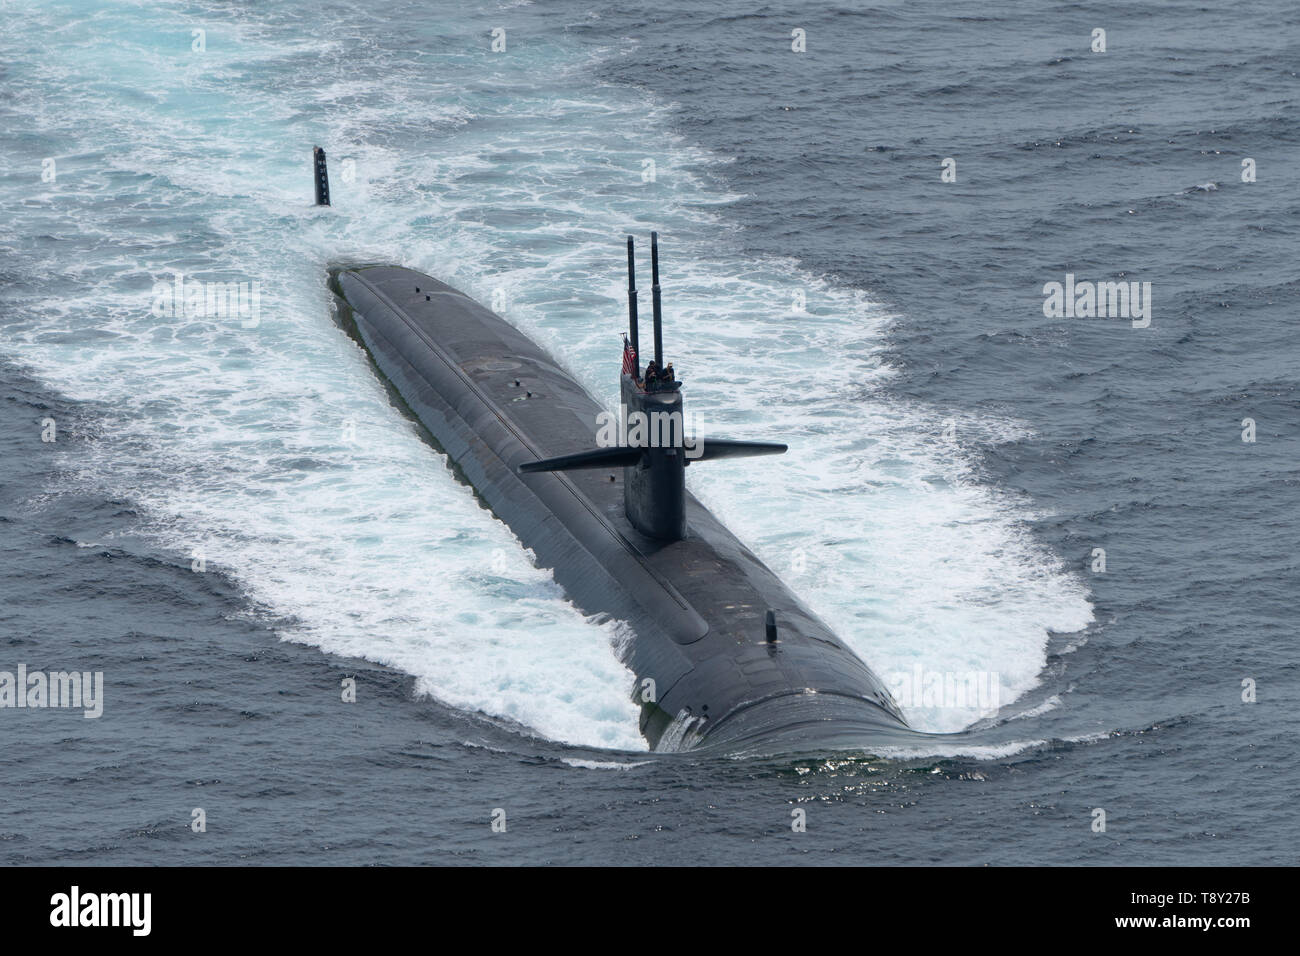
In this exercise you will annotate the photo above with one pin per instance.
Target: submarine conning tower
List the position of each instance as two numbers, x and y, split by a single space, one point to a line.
653 447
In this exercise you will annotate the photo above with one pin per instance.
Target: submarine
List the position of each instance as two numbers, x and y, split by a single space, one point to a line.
725 656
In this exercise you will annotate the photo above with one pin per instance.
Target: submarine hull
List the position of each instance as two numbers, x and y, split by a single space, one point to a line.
707 672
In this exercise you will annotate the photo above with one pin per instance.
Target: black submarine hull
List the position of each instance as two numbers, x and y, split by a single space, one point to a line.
708 673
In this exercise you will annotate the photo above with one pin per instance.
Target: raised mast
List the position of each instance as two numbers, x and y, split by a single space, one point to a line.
631 310
654 292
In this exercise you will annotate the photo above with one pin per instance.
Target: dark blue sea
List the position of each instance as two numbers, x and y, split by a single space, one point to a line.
862 209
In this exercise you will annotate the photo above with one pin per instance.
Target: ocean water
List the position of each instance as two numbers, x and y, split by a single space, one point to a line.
232 518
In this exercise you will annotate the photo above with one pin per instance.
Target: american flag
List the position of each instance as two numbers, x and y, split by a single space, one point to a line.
629 358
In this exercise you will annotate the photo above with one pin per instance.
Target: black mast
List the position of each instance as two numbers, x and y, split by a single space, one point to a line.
321 176
654 292
631 310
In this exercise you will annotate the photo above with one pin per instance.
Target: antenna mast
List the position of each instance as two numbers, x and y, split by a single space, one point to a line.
631 309
654 291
